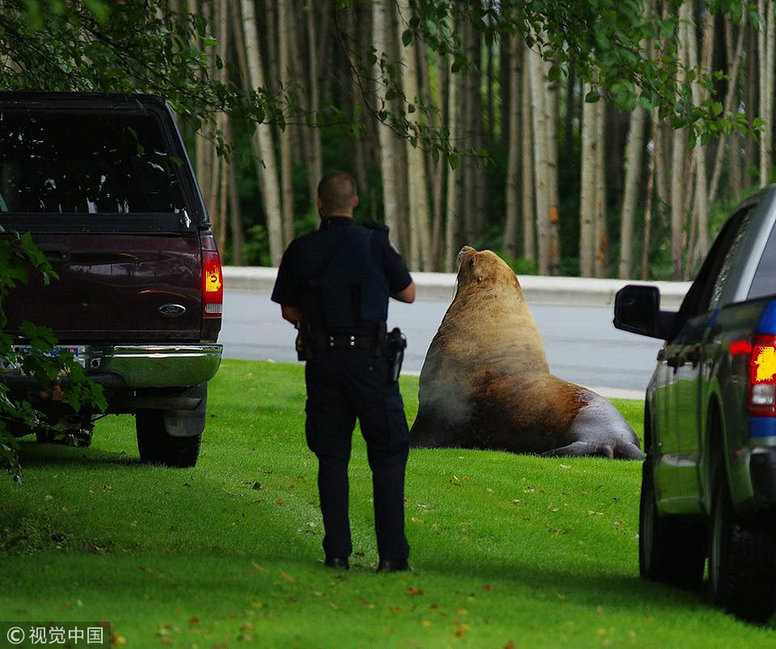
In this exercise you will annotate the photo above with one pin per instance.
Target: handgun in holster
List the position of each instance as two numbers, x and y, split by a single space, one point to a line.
302 343
395 343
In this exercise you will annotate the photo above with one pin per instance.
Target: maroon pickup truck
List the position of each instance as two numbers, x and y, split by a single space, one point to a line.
104 185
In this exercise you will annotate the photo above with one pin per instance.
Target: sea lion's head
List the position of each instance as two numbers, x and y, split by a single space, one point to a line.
485 268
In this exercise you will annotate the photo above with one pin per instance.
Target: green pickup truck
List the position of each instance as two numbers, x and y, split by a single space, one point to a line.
708 494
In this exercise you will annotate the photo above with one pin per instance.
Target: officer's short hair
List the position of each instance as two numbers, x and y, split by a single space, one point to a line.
337 191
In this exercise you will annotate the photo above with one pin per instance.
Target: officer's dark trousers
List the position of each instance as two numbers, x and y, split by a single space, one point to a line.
343 385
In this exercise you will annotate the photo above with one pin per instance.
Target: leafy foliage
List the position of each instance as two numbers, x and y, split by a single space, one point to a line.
134 46
39 359
603 39
148 45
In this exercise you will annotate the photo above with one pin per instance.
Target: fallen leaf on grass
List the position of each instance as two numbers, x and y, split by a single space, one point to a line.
257 567
461 630
412 590
287 577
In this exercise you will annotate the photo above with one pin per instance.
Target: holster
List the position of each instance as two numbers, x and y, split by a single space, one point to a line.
395 344
304 351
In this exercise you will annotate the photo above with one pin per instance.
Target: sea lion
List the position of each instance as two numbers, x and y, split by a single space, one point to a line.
485 382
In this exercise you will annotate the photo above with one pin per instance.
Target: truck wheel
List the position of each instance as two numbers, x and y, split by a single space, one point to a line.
742 568
670 551
157 446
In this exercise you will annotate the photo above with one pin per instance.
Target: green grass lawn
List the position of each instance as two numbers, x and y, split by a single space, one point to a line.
509 551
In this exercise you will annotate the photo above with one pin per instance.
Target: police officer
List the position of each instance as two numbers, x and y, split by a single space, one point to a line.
333 285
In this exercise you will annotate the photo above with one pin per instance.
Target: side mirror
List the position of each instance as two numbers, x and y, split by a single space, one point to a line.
637 309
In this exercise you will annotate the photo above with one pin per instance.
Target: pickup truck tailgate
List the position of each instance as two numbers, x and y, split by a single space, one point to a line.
119 288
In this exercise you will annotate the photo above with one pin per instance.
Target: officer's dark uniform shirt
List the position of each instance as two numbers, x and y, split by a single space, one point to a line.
341 275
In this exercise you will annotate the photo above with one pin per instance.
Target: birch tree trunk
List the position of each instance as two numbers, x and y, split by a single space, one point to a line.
592 204
601 231
730 98
515 80
650 194
206 160
539 123
588 186
389 144
471 106
224 164
436 165
766 49
288 78
551 147
527 166
417 178
700 244
262 138
678 163
235 215
633 158
452 198
312 137
545 169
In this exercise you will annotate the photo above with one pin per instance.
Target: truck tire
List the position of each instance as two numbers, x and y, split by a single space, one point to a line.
670 551
742 568
173 437
157 446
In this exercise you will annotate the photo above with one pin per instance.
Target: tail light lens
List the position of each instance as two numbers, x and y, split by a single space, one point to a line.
212 279
762 373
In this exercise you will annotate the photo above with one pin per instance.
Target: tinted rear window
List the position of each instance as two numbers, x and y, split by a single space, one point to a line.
83 162
764 282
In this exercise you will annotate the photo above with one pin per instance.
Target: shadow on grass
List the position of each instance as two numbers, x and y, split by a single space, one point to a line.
35 455
575 586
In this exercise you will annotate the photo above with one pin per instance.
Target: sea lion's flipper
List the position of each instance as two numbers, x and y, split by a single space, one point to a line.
627 451
614 449
582 448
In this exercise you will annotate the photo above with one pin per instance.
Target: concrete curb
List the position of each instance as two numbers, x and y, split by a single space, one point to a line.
538 289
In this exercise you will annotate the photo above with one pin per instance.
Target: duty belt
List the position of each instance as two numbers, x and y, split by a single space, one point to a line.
321 342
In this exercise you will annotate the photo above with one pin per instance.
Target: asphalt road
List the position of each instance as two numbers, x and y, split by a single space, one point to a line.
581 343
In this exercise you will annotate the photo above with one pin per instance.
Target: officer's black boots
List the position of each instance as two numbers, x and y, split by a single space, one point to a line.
391 565
337 562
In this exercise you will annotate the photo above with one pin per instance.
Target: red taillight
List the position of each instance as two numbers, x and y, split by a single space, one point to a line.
762 376
212 279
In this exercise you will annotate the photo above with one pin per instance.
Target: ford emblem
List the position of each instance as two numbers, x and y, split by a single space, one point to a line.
172 310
